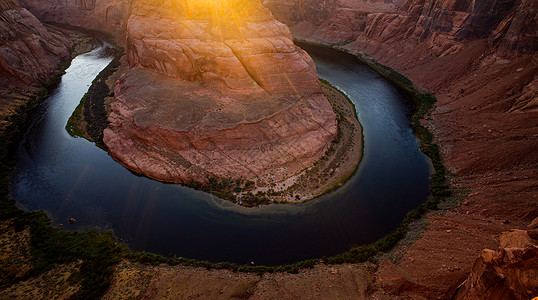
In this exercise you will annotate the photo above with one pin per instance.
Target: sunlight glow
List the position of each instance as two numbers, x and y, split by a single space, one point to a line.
225 17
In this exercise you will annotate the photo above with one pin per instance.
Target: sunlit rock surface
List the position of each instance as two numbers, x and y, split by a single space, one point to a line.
216 90
29 51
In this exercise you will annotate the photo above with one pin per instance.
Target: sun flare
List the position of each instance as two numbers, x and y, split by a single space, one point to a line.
221 9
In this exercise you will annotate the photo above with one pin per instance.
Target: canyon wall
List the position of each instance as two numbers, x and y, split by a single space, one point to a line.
511 272
29 55
333 21
479 59
104 15
216 90
443 26
241 100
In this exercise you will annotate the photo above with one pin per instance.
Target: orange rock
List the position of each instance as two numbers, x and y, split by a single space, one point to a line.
231 98
509 273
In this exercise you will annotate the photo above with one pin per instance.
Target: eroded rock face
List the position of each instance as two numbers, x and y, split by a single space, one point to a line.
444 26
104 15
237 48
29 55
29 51
265 109
333 21
511 272
480 60
216 90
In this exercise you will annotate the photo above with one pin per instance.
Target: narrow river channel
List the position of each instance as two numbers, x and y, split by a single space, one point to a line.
70 177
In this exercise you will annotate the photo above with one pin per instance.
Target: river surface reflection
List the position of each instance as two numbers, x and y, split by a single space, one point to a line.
71 177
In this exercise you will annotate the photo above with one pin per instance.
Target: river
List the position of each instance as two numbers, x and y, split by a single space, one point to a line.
72 178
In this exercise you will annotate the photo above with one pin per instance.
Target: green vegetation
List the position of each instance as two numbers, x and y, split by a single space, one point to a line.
236 191
337 155
99 252
90 118
423 103
75 126
50 246
243 192
155 259
342 121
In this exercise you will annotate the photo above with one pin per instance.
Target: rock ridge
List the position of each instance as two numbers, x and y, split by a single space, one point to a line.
233 57
511 272
29 56
485 121
214 93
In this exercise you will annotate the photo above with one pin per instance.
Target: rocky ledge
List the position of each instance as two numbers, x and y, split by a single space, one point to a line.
511 272
29 56
216 91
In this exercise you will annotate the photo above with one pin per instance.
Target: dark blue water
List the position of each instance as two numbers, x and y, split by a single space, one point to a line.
70 177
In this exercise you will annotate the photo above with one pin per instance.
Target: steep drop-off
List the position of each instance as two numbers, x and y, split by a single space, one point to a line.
106 15
213 90
29 55
479 59
216 91
511 272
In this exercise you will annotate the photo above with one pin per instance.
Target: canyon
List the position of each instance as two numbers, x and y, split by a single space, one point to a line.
477 57
236 99
212 91
29 56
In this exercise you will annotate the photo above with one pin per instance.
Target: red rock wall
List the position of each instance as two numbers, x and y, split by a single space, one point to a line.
333 21
216 91
233 50
511 272
105 15
29 51
509 25
238 49
480 60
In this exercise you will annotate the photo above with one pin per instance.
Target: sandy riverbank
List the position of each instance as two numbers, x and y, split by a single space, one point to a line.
337 165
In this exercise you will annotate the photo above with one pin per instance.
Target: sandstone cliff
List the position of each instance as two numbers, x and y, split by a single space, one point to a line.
485 80
480 60
509 25
242 100
333 21
511 272
29 55
105 15
216 91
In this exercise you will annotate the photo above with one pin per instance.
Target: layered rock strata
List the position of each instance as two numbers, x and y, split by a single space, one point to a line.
216 90
332 21
441 27
511 272
484 78
29 55
479 59
260 111
106 15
